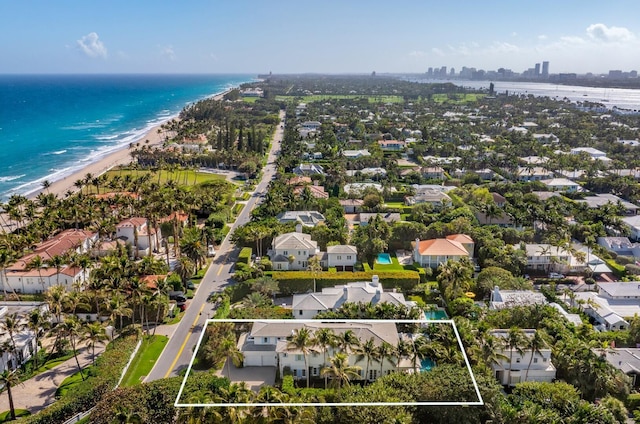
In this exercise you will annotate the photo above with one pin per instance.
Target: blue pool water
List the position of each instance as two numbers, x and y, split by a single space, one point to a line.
384 259
437 314
426 364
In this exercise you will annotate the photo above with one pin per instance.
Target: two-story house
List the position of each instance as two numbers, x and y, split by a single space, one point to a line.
291 251
521 363
435 252
266 345
342 256
23 277
308 305
137 232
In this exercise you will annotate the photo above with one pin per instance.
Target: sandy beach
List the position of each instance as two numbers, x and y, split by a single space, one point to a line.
119 157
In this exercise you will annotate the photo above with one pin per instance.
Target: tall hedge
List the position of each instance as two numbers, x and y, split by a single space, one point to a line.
291 282
245 255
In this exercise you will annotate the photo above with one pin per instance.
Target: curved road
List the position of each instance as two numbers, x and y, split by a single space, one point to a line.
179 350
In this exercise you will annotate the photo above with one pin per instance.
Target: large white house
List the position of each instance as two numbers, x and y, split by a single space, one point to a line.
342 256
526 365
291 251
21 277
266 345
612 306
137 232
308 305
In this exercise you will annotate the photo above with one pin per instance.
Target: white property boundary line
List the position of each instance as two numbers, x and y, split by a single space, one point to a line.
479 402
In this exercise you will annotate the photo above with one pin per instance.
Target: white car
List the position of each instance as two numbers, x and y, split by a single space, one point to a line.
555 275
211 251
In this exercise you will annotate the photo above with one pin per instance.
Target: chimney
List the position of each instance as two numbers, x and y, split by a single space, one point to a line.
298 228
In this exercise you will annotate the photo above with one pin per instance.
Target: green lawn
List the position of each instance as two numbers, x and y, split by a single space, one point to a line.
183 177
70 382
394 266
144 360
5 416
320 97
457 98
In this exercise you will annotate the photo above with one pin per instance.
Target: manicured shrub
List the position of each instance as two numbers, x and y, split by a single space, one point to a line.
291 282
245 255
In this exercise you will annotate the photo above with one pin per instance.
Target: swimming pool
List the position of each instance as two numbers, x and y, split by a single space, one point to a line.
426 364
384 259
437 314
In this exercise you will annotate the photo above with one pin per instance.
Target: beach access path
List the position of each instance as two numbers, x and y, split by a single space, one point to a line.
39 392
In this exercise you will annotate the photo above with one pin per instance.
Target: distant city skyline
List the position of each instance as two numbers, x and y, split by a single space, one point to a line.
334 36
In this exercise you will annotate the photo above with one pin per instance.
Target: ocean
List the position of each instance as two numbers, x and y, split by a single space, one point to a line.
54 125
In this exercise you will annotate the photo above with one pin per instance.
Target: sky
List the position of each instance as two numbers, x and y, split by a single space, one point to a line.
325 36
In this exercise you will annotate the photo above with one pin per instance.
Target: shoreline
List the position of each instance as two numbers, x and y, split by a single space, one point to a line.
119 157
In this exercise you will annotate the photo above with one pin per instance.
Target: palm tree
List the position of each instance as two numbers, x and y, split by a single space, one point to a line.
301 340
340 371
347 341
93 334
324 339
385 351
534 344
514 341
185 268
314 267
9 379
193 246
368 350
230 350
71 327
119 309
57 262
12 325
37 263
37 322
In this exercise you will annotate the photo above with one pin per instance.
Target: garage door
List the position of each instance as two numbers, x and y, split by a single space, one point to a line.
269 360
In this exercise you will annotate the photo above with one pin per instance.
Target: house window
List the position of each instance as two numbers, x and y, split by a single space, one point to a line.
314 371
265 340
373 374
348 258
303 372
284 355
535 360
300 312
339 258
544 359
279 266
518 360
299 358
285 253
298 253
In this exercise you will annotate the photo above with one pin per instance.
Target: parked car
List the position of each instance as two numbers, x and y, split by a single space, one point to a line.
555 275
211 251
178 296
190 285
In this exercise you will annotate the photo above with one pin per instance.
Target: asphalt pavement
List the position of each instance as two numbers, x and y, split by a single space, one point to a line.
179 351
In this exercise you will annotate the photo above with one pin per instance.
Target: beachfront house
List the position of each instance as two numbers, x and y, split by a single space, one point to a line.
23 276
265 345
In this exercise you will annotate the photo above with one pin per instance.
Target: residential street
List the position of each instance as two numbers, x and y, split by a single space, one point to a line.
179 350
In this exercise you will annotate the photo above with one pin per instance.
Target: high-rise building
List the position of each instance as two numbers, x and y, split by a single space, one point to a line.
536 71
545 69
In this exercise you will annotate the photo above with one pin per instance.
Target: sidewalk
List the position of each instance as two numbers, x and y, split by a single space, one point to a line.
39 392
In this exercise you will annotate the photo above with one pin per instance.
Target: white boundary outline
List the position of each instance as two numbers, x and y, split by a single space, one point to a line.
479 402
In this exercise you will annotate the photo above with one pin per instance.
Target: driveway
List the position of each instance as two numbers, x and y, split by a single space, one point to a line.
255 377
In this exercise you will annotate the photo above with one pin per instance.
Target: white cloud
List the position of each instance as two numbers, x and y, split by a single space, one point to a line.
168 53
417 53
542 37
437 51
91 46
601 32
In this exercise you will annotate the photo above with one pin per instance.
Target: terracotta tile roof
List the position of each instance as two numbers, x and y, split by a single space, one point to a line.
462 238
59 245
441 247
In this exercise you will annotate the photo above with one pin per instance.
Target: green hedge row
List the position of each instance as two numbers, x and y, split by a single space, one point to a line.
245 255
291 282
87 393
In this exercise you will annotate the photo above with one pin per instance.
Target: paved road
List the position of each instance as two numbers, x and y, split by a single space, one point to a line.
179 350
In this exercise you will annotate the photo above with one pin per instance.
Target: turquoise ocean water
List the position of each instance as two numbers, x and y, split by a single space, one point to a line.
53 125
